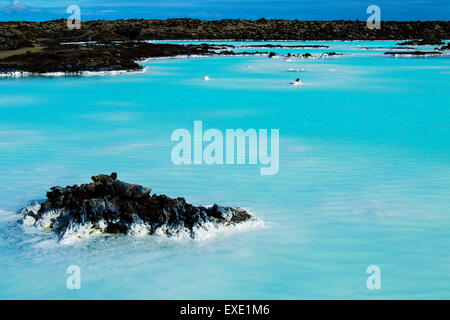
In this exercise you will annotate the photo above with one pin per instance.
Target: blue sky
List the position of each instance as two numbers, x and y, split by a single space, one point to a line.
39 10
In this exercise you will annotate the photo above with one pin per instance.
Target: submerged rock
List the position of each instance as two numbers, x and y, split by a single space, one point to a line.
108 205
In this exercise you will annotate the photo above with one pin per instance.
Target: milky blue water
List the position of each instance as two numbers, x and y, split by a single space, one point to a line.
364 176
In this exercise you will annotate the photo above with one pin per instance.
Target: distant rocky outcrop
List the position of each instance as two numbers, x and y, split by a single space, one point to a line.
237 29
413 53
103 46
108 205
422 42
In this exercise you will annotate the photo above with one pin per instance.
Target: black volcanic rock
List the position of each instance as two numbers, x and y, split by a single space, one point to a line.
329 54
237 29
413 53
108 205
39 47
74 58
422 42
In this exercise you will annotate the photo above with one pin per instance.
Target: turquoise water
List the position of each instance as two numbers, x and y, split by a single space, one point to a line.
364 176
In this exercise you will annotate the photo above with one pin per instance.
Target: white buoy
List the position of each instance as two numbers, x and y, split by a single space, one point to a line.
332 70
206 78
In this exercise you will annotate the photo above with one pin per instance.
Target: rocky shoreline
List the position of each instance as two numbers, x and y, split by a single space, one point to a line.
50 47
110 46
108 205
413 53
74 58
77 58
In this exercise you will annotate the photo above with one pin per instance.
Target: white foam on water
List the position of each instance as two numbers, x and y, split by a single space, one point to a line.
75 232
29 221
112 73
46 220
7 215
207 230
54 74
397 55
16 74
211 230
200 232
139 229
181 56
46 244
3 212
